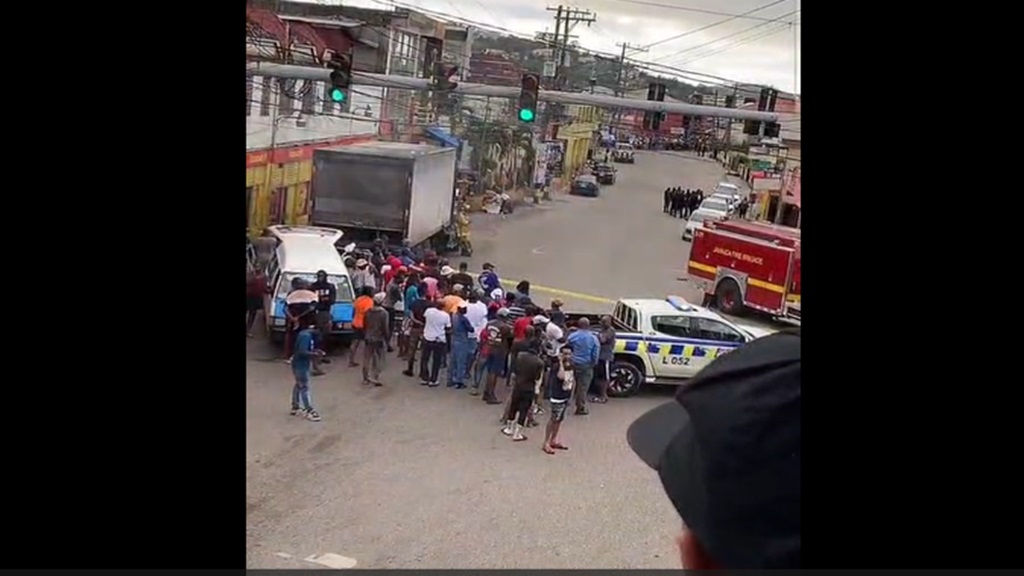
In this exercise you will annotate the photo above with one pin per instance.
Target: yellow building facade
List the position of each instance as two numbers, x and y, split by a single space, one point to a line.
579 136
277 184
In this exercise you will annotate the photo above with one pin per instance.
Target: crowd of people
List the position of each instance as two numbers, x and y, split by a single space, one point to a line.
680 203
446 326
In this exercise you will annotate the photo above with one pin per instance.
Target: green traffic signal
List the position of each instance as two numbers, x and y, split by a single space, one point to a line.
526 115
337 95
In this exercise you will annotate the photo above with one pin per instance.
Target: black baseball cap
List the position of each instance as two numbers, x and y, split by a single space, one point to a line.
727 450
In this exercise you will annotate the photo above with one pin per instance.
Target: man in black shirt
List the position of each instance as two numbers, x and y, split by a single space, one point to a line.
462 276
417 309
558 391
327 295
530 342
528 368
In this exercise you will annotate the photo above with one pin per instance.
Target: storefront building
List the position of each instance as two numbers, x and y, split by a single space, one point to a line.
277 183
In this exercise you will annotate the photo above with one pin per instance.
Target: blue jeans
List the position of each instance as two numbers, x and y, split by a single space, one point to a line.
458 367
462 358
300 392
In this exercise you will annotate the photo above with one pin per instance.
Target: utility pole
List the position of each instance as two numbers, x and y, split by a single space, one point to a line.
567 18
620 88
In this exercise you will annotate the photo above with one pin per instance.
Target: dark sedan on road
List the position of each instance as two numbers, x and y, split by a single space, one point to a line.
604 173
585 185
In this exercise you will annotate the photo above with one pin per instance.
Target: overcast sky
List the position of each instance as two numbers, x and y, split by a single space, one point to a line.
746 49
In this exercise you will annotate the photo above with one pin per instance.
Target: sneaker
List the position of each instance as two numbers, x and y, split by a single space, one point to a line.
296 412
407 372
312 416
434 384
378 384
424 383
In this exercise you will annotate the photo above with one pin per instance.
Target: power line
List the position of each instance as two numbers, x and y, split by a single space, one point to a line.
732 45
714 24
692 75
745 15
737 33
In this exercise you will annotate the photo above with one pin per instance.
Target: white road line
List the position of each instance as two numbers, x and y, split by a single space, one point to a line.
331 560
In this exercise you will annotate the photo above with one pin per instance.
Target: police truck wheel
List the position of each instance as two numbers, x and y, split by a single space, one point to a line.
728 298
625 379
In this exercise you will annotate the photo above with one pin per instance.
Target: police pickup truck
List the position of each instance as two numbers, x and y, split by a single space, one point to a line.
665 341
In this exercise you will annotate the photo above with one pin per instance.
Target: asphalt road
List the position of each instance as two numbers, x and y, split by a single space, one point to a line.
409 477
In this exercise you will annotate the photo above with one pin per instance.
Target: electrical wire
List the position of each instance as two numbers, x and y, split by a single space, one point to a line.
741 42
692 75
731 35
744 15
712 25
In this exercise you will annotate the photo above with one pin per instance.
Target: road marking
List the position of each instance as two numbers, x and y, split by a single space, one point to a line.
557 291
331 560
284 555
538 251
570 294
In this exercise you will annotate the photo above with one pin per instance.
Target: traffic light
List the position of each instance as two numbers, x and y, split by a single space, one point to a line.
765 103
771 129
341 77
529 95
655 93
442 78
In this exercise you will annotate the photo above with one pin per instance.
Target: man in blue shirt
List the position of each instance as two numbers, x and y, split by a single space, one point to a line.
586 351
462 349
489 280
302 366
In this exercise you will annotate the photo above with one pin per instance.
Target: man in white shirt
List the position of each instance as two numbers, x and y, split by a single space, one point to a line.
476 312
436 323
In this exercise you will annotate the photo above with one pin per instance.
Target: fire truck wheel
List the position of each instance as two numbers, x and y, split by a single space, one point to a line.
728 298
626 378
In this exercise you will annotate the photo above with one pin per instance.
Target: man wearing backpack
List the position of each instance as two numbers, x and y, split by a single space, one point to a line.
496 339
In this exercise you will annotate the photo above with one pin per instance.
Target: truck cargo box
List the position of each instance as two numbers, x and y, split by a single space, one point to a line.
393 187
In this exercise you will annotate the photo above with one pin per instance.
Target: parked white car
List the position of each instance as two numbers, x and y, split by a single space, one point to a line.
697 220
727 189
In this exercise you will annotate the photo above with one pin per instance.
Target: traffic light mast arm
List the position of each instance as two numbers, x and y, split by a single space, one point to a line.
369 79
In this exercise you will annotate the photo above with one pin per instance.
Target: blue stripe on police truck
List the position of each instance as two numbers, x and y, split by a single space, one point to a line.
675 347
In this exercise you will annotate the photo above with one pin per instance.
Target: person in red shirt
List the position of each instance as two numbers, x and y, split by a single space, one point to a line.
255 288
521 324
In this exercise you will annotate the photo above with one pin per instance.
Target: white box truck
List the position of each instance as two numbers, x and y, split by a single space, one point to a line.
390 190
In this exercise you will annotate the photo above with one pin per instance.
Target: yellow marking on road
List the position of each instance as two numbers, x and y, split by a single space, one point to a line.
557 291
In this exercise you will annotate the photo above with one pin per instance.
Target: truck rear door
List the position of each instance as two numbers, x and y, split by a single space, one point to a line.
365 192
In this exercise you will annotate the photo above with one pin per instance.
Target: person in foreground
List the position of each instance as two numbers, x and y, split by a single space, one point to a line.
302 365
727 451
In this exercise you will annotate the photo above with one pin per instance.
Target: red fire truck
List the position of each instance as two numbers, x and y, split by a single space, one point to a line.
740 265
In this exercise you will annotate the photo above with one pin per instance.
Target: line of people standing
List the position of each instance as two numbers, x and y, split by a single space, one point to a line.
680 203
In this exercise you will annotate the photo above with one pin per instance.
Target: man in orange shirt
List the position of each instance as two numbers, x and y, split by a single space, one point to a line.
453 300
363 303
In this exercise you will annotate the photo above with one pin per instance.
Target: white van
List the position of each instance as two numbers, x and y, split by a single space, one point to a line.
301 252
